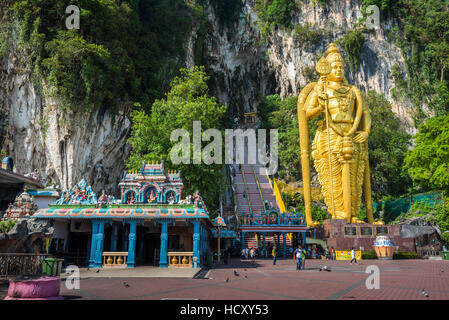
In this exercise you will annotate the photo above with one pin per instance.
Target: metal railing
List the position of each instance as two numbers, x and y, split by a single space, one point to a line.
250 219
16 264
258 187
247 191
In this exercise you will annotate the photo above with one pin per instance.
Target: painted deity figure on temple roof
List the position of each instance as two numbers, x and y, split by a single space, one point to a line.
131 199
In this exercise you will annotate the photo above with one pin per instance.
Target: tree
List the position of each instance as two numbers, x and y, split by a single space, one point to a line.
428 162
281 115
387 145
187 101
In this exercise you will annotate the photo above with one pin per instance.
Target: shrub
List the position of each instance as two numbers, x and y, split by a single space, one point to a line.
353 43
7 225
405 255
370 254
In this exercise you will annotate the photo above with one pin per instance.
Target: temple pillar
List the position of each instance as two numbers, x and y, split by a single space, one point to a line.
114 236
131 262
163 250
93 244
98 243
264 250
285 244
196 242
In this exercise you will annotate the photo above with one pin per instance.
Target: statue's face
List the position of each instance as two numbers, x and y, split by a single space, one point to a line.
338 71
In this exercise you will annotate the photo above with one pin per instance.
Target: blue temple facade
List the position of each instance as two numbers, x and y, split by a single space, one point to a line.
149 225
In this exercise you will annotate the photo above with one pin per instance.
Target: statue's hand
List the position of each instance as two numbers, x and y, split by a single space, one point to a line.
322 97
361 136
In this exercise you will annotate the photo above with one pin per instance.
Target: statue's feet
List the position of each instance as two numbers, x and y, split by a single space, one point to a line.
356 220
314 223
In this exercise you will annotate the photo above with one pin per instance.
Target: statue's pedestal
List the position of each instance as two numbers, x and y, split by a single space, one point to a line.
342 235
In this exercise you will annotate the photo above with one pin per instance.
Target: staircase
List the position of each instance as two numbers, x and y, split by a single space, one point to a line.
251 242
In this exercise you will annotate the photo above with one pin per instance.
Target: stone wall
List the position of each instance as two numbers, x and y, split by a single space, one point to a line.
333 231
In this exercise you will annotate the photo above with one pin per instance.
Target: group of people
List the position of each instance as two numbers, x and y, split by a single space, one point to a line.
249 253
299 255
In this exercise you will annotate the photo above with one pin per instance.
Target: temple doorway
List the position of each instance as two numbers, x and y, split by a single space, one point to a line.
79 245
150 251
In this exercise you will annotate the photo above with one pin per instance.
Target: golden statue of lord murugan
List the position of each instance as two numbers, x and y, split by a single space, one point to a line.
340 146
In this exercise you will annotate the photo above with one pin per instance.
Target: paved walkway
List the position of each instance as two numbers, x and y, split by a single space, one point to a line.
399 279
138 272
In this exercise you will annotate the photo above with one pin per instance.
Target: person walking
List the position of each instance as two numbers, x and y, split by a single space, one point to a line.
274 253
246 253
353 258
332 253
291 252
242 253
298 254
253 255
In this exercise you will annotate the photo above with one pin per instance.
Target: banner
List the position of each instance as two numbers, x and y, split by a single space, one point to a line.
346 255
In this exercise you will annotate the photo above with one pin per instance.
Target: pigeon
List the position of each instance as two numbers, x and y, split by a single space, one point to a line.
442 270
125 284
227 279
246 276
424 292
235 273
88 268
325 268
245 269
97 271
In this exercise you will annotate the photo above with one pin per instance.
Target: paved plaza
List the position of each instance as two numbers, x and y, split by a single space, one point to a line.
399 279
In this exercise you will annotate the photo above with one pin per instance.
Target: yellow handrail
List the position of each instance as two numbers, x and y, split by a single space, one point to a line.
247 192
279 200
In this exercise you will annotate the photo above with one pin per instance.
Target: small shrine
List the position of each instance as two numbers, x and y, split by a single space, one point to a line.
23 206
151 184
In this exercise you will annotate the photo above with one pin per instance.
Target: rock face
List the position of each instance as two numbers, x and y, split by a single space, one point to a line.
247 70
65 147
26 236
68 147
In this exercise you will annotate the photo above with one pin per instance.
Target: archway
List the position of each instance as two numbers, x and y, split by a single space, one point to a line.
130 197
170 196
150 195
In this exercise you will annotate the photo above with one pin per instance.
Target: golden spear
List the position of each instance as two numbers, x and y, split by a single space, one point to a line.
323 68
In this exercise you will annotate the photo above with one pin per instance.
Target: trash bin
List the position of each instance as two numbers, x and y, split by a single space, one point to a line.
445 255
52 266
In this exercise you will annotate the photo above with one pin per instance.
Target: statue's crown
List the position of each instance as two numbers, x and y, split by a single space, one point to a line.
333 54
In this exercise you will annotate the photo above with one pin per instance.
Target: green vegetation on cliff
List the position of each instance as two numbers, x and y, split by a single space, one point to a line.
423 35
273 14
124 51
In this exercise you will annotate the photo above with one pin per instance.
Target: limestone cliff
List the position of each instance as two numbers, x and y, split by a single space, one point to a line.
66 147
247 68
